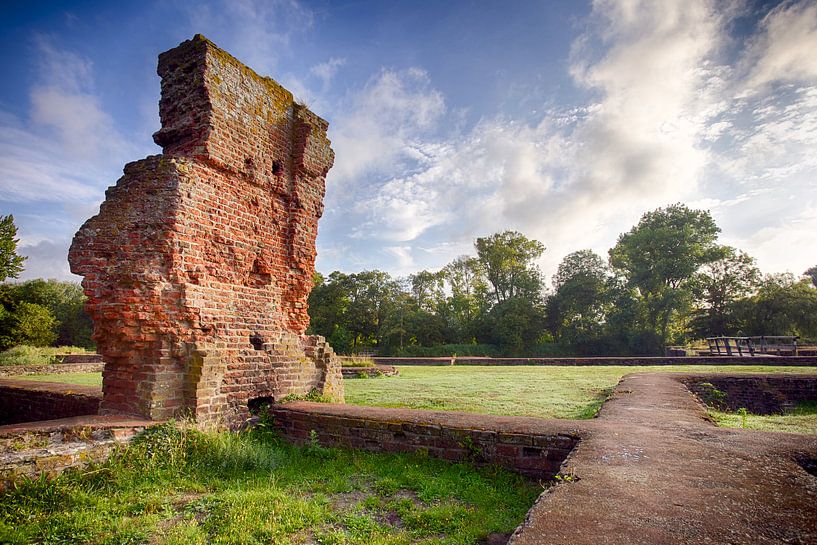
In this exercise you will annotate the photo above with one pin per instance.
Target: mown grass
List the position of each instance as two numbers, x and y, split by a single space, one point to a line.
180 486
37 355
548 392
803 419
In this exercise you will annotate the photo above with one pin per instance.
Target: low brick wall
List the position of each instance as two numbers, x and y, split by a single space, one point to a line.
29 401
530 446
798 361
759 394
49 448
50 369
369 372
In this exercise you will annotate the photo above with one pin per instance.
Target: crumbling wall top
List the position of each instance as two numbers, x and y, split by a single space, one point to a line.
214 107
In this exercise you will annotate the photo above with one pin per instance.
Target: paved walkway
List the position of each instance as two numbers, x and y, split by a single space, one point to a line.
653 470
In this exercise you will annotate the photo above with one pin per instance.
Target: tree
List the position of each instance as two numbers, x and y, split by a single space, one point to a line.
468 299
660 254
428 289
783 305
515 325
507 259
66 301
812 273
11 264
716 287
577 308
26 323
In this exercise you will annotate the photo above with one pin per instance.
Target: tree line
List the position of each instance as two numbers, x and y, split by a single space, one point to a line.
38 312
666 281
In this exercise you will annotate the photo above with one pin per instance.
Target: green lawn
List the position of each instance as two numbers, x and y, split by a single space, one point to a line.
174 487
803 419
547 392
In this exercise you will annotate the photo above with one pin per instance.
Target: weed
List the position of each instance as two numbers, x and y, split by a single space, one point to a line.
743 414
474 452
711 395
313 395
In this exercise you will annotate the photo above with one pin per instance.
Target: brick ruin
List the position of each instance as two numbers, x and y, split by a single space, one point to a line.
198 266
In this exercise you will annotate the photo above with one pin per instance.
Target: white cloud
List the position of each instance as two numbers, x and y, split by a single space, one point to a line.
669 123
69 148
255 31
46 259
325 71
66 151
566 180
786 48
383 125
404 262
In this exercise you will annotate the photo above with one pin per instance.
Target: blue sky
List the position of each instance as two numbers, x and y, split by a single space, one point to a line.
564 120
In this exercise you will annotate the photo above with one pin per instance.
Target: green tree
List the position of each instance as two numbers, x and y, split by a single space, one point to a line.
26 323
11 264
811 272
515 325
467 300
783 305
508 261
428 289
328 302
66 301
578 308
717 286
660 254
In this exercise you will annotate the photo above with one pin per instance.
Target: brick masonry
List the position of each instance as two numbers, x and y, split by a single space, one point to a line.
49 448
370 372
530 446
758 394
27 401
198 266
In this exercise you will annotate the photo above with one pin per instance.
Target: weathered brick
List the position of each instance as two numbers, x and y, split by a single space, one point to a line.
198 266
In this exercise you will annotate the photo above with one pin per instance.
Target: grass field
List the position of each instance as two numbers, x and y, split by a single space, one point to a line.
545 392
173 487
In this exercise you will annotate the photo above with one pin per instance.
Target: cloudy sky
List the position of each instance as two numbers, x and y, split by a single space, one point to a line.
564 120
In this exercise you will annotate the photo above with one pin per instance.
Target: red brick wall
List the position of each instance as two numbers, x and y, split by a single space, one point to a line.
759 394
199 264
27 401
533 447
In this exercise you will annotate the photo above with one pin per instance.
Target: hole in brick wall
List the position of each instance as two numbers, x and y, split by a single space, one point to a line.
257 341
531 451
259 274
277 168
256 405
808 464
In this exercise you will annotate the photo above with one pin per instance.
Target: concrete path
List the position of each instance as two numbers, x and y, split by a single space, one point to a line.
653 470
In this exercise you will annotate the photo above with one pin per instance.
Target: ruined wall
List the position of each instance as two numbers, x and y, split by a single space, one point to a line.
199 264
